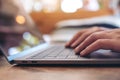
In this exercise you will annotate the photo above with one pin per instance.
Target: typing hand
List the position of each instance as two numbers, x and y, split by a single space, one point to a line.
92 39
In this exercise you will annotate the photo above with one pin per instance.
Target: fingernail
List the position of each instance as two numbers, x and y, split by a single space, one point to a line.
67 44
73 45
76 50
82 53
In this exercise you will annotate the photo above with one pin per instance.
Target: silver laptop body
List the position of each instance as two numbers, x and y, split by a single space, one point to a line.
27 46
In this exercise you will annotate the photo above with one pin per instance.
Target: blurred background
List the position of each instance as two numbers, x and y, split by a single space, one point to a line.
46 13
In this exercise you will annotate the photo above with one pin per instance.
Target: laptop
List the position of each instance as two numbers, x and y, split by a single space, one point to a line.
29 47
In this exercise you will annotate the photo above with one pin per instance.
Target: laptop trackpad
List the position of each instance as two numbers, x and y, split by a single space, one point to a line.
104 54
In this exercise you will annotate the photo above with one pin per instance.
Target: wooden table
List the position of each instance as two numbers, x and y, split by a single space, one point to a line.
10 72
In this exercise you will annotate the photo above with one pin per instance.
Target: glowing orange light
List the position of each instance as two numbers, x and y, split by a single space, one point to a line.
20 19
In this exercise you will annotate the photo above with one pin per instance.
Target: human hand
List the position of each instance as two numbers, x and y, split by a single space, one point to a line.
95 38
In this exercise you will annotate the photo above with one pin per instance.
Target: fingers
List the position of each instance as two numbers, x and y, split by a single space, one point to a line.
75 37
79 38
90 39
101 44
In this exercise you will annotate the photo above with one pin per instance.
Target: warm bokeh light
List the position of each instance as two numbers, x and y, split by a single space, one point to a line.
91 5
20 19
38 6
28 5
49 5
71 6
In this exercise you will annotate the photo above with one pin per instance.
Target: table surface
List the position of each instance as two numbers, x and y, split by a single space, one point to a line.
10 72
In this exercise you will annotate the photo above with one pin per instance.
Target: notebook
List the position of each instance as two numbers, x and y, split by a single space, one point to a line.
29 47
24 44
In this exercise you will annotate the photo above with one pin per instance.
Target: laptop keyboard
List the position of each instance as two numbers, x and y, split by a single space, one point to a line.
56 52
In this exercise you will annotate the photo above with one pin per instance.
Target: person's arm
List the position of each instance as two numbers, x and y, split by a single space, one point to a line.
92 39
